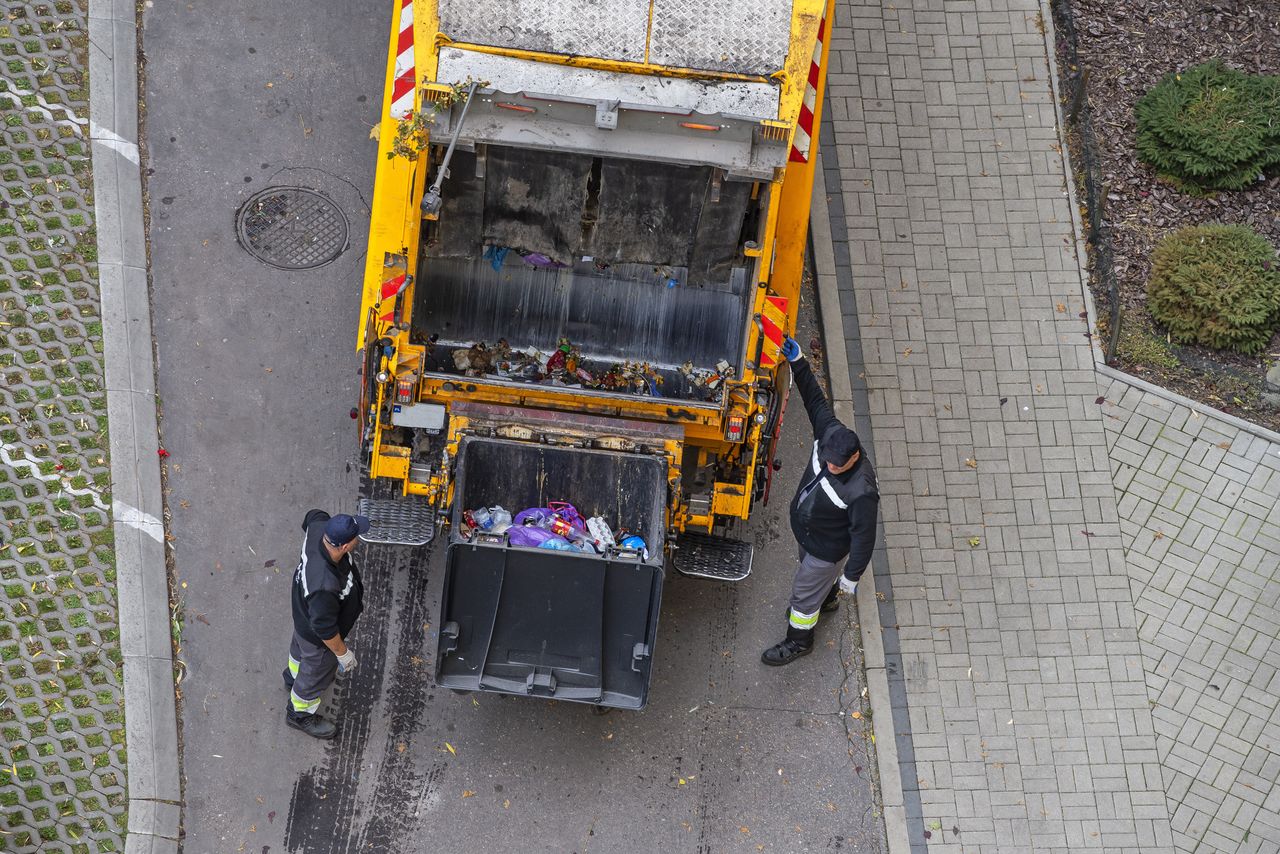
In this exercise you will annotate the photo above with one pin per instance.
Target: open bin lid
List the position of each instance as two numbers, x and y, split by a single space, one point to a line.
548 624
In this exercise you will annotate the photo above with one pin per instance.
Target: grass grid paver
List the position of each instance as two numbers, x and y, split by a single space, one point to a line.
1206 587
1024 679
62 761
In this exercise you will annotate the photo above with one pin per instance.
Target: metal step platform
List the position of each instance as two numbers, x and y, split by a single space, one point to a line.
717 558
398 521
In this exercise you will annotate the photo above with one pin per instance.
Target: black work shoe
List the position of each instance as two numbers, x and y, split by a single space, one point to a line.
288 679
313 725
798 643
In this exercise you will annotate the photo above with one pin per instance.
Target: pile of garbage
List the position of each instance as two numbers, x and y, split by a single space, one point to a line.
565 366
558 526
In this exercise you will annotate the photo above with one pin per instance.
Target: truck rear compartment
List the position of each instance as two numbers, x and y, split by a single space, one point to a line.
630 261
544 623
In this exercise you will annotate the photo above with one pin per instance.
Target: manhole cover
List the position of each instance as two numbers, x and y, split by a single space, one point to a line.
292 228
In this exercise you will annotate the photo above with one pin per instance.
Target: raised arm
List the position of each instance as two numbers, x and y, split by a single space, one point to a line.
815 402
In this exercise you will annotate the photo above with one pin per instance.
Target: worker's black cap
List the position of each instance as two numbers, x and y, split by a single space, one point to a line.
838 444
342 529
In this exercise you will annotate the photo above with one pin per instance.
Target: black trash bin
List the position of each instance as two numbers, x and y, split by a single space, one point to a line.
541 623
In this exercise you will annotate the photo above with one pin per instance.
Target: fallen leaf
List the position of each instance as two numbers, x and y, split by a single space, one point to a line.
683 781
467 793
1226 446
857 769
906 352
375 132
1088 533
1159 535
202 618
271 816
1062 309
974 542
449 747
401 747
1003 401
1100 399
928 835
745 830
971 463
506 804
855 715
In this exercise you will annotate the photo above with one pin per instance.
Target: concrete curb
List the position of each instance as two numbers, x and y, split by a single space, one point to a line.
142 588
1099 358
895 816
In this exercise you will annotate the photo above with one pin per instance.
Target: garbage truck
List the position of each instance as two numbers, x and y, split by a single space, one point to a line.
586 246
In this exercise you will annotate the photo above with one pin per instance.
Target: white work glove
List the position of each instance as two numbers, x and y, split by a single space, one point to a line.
347 661
847 586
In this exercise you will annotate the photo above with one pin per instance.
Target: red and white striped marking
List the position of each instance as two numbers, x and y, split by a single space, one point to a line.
403 85
772 319
804 128
391 288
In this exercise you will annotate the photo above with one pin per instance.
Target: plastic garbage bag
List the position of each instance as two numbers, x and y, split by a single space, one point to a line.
531 536
501 518
562 545
537 516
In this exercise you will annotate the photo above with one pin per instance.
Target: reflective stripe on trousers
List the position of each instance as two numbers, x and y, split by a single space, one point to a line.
802 621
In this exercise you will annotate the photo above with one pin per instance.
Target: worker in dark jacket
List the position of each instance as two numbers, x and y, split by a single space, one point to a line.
833 517
327 599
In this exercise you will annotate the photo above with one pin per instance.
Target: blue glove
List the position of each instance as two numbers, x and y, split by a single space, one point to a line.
791 350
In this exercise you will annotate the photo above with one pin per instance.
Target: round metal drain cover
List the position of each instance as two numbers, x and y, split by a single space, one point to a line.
292 228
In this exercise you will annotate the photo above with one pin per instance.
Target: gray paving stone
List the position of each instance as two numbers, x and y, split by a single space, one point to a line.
1009 638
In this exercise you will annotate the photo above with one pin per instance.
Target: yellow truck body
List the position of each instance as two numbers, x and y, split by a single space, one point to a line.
627 90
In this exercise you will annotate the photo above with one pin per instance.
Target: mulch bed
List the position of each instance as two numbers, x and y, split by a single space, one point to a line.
1125 48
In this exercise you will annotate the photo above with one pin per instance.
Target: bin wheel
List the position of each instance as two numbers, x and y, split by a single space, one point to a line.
460 692
600 711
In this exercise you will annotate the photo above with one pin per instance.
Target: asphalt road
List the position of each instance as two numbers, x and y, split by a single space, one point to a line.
257 372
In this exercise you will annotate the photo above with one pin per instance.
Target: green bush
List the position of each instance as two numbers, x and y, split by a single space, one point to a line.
1217 285
1211 127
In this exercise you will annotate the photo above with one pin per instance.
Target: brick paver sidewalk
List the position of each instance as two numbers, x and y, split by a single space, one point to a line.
62 775
1200 521
1017 640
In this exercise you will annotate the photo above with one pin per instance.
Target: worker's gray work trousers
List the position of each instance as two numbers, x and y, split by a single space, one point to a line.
313 668
812 584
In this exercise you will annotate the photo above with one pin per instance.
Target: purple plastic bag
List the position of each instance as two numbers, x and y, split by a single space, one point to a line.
529 536
539 516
